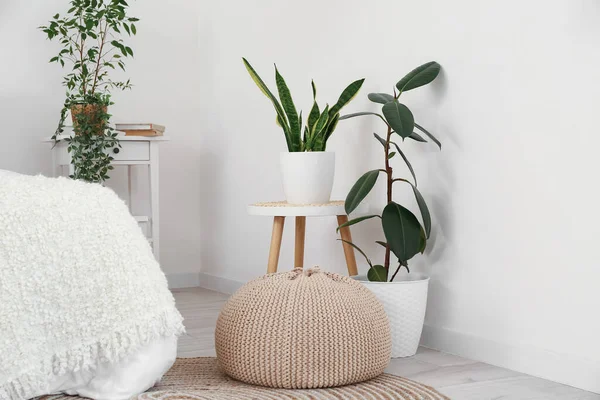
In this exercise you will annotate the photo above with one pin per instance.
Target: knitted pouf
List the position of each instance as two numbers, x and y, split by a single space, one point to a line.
303 329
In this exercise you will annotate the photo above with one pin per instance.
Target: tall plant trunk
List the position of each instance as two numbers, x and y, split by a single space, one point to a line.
390 181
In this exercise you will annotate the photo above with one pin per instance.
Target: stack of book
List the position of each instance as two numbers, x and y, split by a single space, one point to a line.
141 129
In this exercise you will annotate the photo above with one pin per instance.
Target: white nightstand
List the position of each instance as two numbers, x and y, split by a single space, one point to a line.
135 150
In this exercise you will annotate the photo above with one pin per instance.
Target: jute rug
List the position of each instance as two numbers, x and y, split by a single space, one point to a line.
200 379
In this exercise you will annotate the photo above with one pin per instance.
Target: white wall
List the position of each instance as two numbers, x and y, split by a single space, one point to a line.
513 193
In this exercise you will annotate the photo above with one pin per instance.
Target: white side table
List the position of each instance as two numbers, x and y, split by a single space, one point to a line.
281 209
135 150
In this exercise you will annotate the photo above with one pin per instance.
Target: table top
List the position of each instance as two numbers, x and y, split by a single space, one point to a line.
284 209
122 137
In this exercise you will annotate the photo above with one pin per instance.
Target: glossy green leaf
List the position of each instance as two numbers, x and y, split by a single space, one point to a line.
346 96
331 125
281 119
377 273
424 211
422 207
381 98
288 106
317 140
399 118
402 231
423 242
410 168
355 221
360 190
359 250
420 76
433 138
416 137
313 116
360 114
379 139
314 89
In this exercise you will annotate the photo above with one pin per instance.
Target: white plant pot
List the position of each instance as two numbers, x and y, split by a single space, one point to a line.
307 176
405 302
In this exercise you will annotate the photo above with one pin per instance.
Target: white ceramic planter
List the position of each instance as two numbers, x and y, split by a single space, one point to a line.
307 176
405 302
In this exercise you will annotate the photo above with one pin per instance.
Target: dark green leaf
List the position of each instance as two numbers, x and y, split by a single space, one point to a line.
346 96
380 139
360 190
313 116
281 119
288 105
381 98
419 127
424 211
127 29
128 49
133 29
355 221
331 125
420 76
360 114
423 242
377 273
402 231
410 168
415 136
314 90
399 118
359 250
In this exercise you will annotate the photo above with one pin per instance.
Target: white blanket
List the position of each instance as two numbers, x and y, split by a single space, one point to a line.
79 285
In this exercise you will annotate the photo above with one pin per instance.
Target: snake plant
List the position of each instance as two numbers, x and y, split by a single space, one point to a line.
319 125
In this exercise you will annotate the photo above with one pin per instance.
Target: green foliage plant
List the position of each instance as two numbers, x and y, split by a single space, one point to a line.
320 124
91 45
405 237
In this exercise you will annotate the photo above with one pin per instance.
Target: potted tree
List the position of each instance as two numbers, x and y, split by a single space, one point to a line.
307 168
92 47
404 299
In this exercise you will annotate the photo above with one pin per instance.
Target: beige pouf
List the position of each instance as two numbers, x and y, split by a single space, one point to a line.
303 329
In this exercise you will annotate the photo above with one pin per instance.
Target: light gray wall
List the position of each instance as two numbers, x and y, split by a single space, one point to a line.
513 193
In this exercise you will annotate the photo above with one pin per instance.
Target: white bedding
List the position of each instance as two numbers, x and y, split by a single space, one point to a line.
134 374
84 307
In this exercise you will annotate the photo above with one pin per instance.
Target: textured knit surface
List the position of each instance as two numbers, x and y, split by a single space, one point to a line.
78 282
201 379
303 329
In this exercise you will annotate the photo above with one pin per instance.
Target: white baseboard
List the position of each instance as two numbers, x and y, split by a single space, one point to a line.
218 284
562 368
183 280
206 281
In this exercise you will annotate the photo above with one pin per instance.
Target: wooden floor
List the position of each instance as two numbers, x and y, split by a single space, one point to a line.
454 376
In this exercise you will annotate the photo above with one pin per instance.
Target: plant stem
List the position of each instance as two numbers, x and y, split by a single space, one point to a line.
99 56
390 181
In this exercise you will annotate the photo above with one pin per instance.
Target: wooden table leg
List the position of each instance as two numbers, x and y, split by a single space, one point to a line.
348 250
275 244
299 249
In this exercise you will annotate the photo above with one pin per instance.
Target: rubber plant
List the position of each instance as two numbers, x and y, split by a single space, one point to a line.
320 124
405 237
91 45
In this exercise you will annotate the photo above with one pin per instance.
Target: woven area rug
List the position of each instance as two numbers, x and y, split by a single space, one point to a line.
200 379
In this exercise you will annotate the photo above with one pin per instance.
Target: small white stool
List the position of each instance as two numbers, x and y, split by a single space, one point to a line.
281 209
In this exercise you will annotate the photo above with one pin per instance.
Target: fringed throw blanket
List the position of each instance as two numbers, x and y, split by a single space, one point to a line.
78 282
